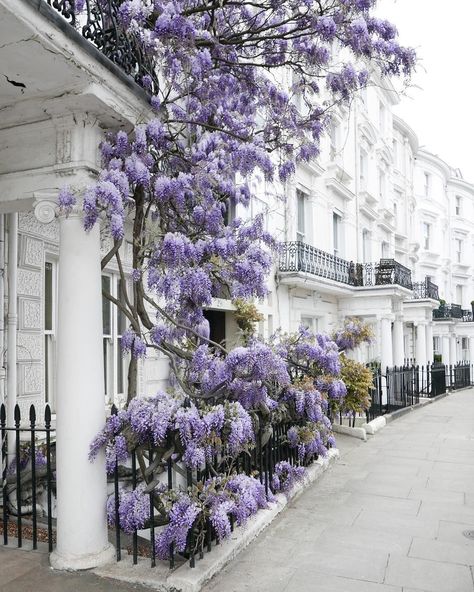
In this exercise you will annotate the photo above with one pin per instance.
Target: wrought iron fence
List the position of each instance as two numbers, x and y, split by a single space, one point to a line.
402 386
27 474
98 22
298 256
259 462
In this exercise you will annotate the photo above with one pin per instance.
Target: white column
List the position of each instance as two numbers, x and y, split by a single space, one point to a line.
398 346
420 349
453 353
429 342
386 354
12 325
445 353
471 350
82 541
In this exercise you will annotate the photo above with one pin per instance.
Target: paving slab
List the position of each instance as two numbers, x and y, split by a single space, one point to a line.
431 576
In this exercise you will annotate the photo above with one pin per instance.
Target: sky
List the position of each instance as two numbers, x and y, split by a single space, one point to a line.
440 104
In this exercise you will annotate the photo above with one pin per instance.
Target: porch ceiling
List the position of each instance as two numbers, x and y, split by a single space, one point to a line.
44 59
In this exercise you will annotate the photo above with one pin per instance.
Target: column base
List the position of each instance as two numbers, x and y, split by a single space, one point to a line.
78 562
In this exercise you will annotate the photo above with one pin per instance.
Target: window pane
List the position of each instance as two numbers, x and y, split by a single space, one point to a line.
122 319
119 367
106 310
300 202
48 296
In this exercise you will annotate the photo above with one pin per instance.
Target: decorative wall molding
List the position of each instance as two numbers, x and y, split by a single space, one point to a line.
29 282
30 379
30 346
31 252
30 317
30 224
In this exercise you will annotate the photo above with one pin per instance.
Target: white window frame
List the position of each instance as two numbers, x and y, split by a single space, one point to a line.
426 235
115 361
459 244
301 208
310 322
50 335
337 233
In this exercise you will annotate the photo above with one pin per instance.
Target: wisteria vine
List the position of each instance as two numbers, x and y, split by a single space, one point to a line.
240 90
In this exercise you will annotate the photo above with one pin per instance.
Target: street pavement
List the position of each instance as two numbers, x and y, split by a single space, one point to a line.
388 517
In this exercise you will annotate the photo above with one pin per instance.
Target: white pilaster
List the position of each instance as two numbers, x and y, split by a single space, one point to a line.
445 350
453 353
420 349
429 342
82 541
386 352
398 346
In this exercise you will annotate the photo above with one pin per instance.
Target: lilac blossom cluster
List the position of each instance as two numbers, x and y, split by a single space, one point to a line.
286 476
26 456
237 496
353 333
199 432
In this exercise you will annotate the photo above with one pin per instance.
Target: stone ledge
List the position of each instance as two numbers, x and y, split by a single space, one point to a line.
359 432
375 425
185 579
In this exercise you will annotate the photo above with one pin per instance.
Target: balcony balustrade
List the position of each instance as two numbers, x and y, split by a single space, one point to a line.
426 289
298 256
99 24
448 311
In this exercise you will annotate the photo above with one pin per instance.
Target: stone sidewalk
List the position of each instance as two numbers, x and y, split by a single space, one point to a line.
389 517
27 571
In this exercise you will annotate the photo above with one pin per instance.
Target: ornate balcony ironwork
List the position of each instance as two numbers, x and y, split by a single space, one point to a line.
467 315
98 23
448 311
298 256
387 272
426 289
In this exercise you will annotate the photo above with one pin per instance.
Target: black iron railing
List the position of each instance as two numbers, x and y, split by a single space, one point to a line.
426 289
387 272
298 256
402 386
260 462
448 311
27 478
98 23
467 315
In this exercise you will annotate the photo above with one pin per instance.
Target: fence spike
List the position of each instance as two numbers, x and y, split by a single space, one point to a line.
32 414
17 414
47 416
3 413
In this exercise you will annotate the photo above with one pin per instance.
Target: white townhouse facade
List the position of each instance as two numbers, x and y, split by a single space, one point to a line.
376 227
